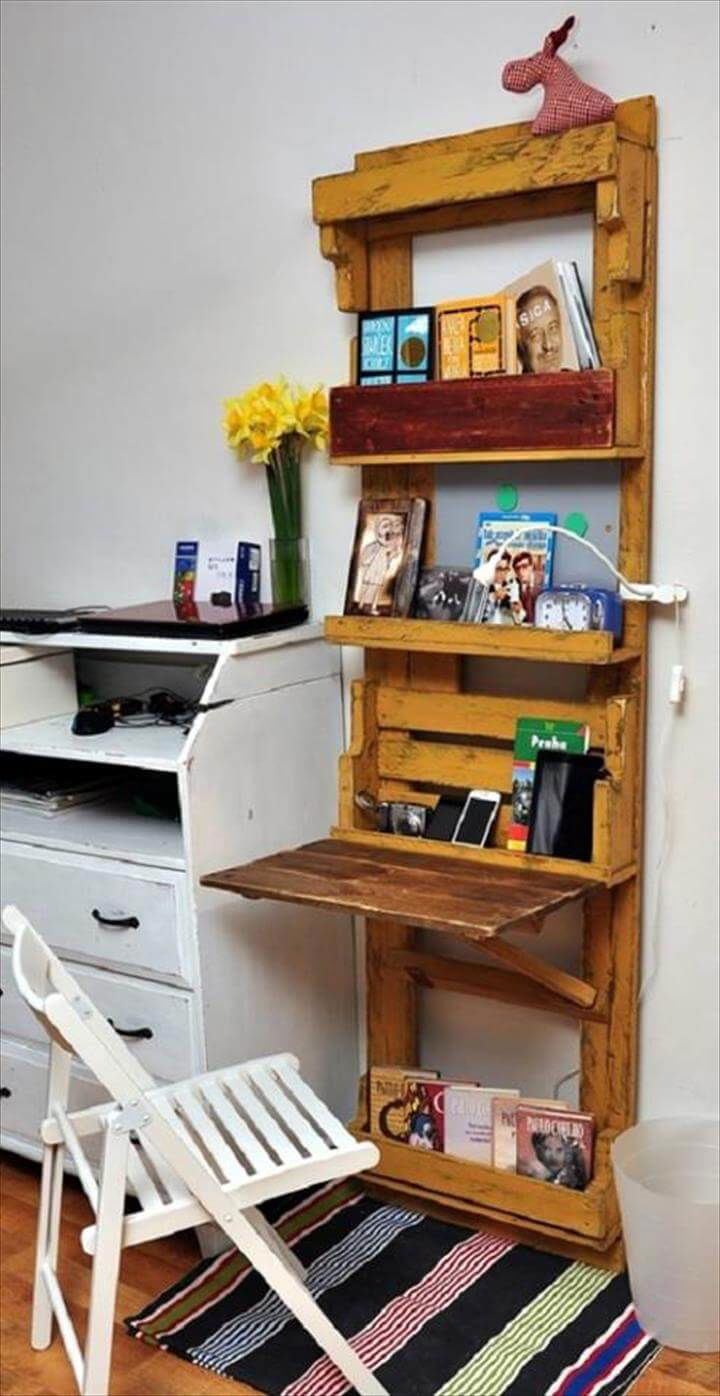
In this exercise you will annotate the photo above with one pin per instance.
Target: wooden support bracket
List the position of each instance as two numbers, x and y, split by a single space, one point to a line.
346 247
464 977
620 208
567 986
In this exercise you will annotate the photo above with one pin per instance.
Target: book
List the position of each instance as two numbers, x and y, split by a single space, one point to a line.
425 1103
386 557
442 593
532 734
475 337
395 346
555 1146
522 571
579 315
504 1127
387 1098
543 328
468 1120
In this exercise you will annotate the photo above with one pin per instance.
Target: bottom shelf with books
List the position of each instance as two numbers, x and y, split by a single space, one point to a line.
490 1194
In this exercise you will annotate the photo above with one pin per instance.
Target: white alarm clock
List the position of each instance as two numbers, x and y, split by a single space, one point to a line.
579 607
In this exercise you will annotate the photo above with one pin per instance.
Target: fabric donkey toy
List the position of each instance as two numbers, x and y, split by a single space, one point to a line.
568 101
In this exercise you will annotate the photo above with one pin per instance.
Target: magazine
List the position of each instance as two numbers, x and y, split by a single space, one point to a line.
521 573
544 330
531 735
555 1146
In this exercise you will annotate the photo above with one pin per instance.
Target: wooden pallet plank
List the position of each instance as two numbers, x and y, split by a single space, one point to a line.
485 981
582 1214
404 634
473 901
479 714
462 767
534 864
516 164
634 118
524 412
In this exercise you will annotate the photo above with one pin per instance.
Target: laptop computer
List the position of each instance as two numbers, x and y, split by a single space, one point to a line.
197 619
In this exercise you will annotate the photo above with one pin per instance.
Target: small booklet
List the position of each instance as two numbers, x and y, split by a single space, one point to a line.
533 734
555 1146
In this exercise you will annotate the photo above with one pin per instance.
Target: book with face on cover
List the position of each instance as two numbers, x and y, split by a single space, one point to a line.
545 339
555 1146
504 1127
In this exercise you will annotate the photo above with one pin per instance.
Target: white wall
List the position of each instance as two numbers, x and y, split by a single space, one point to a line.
159 254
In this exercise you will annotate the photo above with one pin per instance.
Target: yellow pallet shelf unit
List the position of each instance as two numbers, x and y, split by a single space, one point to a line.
415 731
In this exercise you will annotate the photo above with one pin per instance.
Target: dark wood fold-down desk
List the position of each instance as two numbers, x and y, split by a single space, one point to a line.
474 902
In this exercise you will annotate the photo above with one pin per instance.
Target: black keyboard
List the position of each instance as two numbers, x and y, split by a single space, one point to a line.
24 622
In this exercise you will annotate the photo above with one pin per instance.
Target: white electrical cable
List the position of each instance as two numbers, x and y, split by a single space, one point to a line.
569 1076
485 573
664 751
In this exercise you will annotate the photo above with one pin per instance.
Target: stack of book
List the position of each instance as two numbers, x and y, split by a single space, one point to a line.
491 1125
539 323
49 787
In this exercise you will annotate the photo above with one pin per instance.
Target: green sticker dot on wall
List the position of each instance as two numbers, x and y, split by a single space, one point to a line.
506 498
576 523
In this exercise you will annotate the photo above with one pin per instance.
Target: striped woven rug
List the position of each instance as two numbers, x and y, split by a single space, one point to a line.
434 1309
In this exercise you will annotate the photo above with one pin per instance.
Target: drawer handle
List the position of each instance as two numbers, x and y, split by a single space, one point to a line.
5 1092
122 923
132 1032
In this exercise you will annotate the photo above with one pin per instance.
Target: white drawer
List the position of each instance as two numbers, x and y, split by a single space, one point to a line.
71 898
166 1014
23 1081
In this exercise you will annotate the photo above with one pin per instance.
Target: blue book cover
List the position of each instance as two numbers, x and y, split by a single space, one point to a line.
522 571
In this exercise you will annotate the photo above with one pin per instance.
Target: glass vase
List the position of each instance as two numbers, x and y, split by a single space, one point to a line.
289 571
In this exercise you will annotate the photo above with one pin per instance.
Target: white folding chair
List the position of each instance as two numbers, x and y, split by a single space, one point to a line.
208 1149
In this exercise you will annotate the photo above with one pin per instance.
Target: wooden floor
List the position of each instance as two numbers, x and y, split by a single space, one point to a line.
138 1371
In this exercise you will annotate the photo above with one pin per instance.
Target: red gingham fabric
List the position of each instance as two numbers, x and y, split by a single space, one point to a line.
568 101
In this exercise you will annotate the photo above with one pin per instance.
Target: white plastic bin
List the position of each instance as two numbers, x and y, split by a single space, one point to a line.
668 1180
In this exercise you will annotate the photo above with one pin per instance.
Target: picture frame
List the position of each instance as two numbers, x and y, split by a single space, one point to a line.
442 593
385 557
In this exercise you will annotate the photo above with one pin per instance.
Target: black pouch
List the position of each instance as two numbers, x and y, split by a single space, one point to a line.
561 814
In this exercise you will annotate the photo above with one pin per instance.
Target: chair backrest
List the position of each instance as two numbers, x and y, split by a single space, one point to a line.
69 1017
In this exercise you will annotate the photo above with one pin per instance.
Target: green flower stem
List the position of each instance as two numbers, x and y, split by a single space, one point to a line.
283 476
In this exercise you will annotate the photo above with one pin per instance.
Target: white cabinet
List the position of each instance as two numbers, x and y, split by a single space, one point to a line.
194 979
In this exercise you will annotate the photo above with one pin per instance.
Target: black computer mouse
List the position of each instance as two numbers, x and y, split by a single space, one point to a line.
90 722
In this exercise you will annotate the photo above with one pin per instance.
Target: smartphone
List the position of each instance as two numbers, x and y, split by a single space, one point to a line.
445 818
477 818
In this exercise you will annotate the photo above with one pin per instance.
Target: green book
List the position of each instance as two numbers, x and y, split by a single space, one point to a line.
531 735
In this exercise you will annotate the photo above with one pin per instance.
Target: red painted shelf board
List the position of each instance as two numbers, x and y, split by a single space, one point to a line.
527 411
